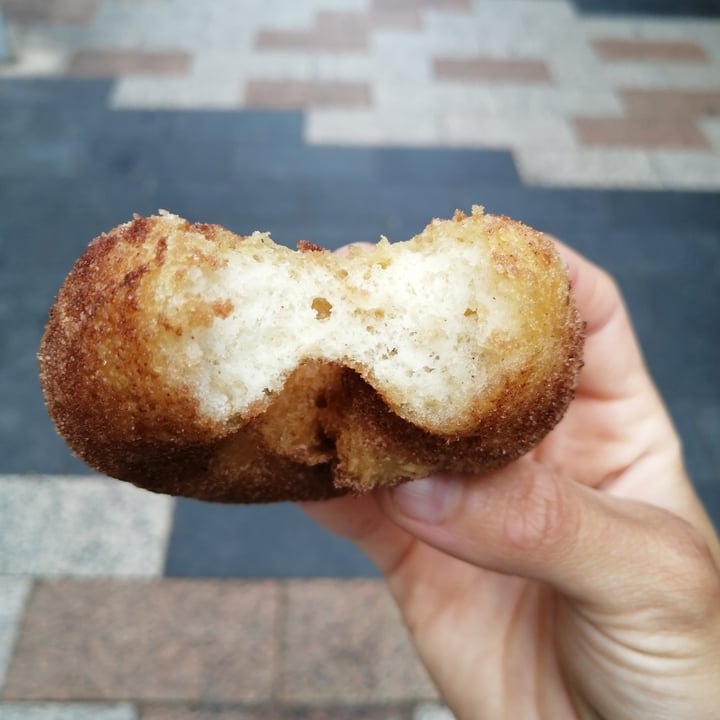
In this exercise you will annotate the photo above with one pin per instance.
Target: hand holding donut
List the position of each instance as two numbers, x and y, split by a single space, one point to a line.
582 580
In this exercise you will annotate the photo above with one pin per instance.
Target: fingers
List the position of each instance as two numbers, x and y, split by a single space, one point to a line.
595 292
590 546
614 365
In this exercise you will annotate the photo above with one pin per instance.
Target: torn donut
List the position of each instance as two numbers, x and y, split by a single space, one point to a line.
192 361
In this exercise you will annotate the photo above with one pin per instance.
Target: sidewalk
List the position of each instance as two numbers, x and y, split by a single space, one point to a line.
334 121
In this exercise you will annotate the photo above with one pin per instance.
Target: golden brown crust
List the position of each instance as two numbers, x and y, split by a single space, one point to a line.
328 432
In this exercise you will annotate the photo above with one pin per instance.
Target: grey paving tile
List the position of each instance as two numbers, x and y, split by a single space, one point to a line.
298 163
4 47
356 201
701 8
257 541
81 526
709 493
436 166
67 711
246 127
650 252
53 92
14 592
676 318
54 157
697 422
708 425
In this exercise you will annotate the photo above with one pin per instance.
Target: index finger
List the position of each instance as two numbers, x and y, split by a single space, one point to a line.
596 294
614 366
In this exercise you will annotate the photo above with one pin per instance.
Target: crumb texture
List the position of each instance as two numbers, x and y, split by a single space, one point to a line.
191 360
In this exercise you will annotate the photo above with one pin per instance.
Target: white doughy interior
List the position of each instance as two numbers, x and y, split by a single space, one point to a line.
411 321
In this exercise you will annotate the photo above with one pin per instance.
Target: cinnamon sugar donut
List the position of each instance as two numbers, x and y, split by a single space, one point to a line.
192 361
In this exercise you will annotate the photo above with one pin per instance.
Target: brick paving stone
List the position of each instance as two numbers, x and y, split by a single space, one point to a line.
649 50
67 711
673 103
81 526
661 132
289 95
154 640
499 70
14 592
345 642
4 48
274 712
406 5
51 12
109 63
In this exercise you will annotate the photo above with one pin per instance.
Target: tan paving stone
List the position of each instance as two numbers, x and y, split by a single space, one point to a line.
109 63
343 642
49 12
409 5
675 103
215 712
480 69
401 19
286 95
661 132
159 640
613 49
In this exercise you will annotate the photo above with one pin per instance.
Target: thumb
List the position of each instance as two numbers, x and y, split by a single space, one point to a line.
526 520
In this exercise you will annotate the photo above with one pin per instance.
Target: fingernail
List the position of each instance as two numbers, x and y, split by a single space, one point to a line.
431 500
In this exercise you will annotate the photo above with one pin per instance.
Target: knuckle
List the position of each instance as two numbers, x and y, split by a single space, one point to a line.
539 515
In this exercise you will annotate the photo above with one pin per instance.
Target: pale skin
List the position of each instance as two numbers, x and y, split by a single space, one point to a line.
583 580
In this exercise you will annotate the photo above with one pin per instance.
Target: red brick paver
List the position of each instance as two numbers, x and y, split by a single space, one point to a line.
49 12
95 63
675 103
289 94
649 50
345 642
661 132
406 5
215 712
481 69
251 649
146 640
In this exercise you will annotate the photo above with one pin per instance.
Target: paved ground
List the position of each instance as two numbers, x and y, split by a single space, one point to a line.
336 121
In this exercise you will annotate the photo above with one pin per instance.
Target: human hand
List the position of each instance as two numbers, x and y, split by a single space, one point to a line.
581 581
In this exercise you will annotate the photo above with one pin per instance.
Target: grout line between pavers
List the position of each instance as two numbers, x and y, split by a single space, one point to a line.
19 626
279 641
